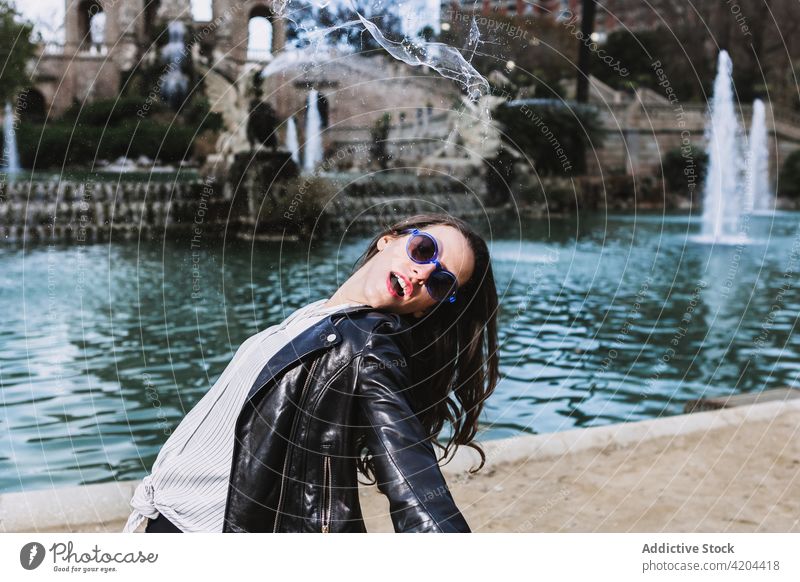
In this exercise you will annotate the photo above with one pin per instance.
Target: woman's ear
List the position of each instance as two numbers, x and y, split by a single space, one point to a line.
384 240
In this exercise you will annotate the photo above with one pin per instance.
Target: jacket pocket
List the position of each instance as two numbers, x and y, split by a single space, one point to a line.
327 490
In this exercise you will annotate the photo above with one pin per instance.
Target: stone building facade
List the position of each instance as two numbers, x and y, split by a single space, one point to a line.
104 40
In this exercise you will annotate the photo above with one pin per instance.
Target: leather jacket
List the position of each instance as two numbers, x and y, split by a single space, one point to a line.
294 459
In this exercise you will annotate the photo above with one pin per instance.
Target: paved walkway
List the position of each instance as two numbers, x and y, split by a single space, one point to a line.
731 470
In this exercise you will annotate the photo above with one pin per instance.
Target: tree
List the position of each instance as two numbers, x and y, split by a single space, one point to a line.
587 28
682 167
542 50
16 51
789 180
553 135
635 52
427 33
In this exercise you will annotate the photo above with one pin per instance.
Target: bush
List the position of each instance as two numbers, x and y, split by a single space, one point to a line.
57 144
111 128
683 166
554 135
17 49
198 114
109 111
789 179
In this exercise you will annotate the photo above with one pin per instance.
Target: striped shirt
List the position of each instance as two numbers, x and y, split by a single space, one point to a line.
188 483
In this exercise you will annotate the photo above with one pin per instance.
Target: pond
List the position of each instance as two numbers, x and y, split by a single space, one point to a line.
604 319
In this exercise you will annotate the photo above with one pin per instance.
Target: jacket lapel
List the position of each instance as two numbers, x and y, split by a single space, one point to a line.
322 334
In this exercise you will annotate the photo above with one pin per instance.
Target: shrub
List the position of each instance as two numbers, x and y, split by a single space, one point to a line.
789 180
57 144
553 134
111 128
108 111
683 166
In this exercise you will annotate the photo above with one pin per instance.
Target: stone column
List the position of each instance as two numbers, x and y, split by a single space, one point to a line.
72 37
278 34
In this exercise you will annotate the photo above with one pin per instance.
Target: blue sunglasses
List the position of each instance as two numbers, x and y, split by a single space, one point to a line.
422 249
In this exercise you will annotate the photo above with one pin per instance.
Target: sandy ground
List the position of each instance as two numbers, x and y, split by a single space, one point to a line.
742 478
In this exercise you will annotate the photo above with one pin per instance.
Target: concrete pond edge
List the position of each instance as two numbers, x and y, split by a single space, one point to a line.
57 508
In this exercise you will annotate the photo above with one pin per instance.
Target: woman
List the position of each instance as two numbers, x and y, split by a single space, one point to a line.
363 382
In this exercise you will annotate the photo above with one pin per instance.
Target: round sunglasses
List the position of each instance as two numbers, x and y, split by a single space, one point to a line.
422 249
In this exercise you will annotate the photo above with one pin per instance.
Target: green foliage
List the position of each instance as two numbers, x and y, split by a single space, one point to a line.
109 111
54 144
626 60
683 166
107 129
789 180
16 51
553 135
542 49
197 113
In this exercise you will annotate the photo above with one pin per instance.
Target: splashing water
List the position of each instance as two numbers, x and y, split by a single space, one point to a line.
444 59
291 140
474 38
722 191
10 150
758 196
440 57
174 82
313 145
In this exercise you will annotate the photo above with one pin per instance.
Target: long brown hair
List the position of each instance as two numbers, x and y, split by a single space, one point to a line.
455 361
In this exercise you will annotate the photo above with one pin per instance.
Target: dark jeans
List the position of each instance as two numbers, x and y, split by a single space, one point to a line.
161 525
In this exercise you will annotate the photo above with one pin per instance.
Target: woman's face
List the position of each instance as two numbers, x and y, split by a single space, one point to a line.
455 255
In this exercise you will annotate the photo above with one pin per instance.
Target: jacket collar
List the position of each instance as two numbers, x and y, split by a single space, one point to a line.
323 334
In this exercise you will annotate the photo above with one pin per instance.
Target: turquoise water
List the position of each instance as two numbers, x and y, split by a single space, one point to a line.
104 348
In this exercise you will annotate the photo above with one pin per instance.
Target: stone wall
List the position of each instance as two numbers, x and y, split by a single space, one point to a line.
96 212
91 212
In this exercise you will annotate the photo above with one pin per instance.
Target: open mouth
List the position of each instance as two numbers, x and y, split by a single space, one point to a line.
397 285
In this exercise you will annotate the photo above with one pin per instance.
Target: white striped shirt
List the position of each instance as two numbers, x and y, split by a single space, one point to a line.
188 483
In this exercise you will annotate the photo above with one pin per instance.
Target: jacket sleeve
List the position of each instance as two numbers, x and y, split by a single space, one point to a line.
405 463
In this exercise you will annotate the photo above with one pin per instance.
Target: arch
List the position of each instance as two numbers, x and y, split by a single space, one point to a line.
324 108
259 33
150 11
91 25
32 105
231 36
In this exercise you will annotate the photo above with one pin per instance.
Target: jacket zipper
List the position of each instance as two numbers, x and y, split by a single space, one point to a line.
327 479
289 446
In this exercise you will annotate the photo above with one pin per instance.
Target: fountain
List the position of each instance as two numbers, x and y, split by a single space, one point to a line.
291 140
10 151
757 194
174 82
313 145
722 199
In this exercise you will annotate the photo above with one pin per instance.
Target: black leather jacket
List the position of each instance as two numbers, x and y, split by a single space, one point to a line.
294 457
